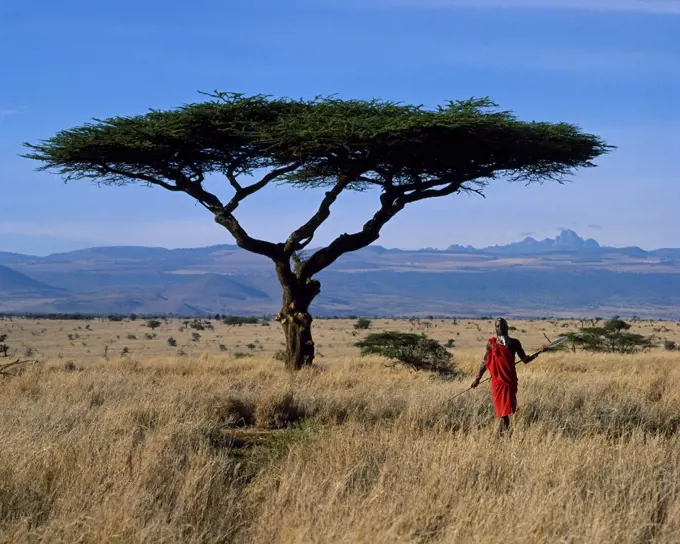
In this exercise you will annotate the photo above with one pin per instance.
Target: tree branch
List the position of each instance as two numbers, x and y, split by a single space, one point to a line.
351 242
301 237
244 192
244 241
449 189
392 201
211 202
143 177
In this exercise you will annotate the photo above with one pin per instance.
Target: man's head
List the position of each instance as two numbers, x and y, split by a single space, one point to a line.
501 327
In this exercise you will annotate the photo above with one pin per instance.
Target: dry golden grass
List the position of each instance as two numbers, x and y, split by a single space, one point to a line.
209 448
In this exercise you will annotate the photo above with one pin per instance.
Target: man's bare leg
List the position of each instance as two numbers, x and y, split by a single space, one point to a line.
504 425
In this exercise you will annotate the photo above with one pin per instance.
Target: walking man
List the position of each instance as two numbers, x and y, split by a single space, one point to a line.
499 360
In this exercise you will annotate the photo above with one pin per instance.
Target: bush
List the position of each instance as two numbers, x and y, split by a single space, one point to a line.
451 343
4 348
278 411
362 324
153 324
239 320
669 345
612 337
223 347
172 342
197 324
195 336
240 354
415 350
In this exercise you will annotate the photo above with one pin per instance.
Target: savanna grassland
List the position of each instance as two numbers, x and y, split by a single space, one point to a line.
201 443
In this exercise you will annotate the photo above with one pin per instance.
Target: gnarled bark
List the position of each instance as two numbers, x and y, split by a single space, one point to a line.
295 317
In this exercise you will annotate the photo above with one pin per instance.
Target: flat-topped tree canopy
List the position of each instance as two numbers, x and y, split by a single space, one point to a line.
316 141
409 153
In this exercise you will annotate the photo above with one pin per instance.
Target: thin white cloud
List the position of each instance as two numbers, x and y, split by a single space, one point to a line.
646 6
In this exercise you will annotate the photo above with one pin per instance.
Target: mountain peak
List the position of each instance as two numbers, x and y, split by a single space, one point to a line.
567 240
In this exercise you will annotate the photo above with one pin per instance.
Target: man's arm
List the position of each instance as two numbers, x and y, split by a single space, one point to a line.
523 356
482 369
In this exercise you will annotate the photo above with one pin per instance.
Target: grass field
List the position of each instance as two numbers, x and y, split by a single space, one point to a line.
212 446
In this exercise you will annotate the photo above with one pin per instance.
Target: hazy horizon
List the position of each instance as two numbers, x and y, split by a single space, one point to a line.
523 237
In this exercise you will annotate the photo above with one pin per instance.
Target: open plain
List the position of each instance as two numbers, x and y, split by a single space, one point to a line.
210 440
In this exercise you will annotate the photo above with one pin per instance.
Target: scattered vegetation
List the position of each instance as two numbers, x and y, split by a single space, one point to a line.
236 320
612 337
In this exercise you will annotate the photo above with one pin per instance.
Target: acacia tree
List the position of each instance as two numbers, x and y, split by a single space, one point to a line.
407 153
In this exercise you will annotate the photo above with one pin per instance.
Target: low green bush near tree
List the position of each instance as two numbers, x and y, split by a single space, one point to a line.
414 350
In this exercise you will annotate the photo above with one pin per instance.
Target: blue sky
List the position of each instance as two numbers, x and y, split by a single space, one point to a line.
611 67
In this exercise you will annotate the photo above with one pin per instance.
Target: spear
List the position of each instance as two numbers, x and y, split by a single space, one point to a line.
546 348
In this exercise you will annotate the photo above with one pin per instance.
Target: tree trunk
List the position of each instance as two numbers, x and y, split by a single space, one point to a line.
297 328
296 320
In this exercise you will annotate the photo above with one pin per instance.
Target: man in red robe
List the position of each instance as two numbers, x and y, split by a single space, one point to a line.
499 360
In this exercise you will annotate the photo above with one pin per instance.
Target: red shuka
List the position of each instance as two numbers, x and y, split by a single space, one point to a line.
500 363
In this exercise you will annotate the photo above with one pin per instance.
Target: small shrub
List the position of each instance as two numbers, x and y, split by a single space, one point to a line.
240 354
232 412
195 337
669 345
132 337
239 320
153 324
450 343
280 355
125 351
197 325
172 342
223 347
414 350
251 346
278 411
362 324
4 348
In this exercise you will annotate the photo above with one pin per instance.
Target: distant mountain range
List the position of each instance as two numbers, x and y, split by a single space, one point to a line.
565 275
